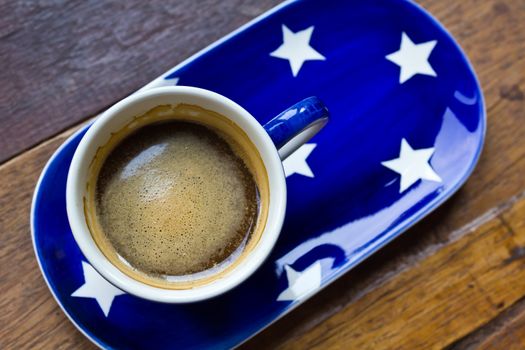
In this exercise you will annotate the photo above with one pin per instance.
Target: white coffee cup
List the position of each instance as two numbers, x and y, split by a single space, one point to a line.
276 140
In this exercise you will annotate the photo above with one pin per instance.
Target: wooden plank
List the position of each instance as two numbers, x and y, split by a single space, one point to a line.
443 298
63 61
507 331
30 317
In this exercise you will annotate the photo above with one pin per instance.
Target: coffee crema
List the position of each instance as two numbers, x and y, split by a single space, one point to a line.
178 197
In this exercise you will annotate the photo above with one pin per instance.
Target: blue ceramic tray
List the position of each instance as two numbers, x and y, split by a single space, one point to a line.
407 126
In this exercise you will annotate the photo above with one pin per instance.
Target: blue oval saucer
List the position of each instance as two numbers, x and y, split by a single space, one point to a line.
407 128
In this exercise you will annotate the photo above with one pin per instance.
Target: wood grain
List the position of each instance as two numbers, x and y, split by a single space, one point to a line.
30 317
65 60
454 280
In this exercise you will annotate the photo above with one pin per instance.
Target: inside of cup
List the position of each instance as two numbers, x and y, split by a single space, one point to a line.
241 144
120 115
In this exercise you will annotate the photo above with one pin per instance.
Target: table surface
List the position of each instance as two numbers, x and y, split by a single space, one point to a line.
456 280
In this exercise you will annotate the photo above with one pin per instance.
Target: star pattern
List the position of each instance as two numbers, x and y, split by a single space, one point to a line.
96 287
296 48
301 284
296 162
413 165
412 58
161 82
173 81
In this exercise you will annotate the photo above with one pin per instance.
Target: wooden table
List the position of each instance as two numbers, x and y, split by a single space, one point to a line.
455 280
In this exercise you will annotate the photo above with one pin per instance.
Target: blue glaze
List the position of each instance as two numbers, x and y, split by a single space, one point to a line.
347 211
295 119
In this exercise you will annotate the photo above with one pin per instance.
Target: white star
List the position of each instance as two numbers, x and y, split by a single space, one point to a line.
413 58
296 48
301 284
296 162
173 81
160 82
96 287
412 165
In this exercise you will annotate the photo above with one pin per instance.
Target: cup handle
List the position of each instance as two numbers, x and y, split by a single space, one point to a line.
296 125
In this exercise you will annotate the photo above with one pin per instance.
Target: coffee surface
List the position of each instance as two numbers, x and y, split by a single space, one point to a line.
174 199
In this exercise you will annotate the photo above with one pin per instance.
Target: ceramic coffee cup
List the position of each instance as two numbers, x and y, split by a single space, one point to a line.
274 141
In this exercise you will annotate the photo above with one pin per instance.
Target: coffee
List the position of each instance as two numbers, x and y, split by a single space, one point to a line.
179 196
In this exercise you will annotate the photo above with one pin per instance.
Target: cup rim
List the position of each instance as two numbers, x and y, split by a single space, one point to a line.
75 190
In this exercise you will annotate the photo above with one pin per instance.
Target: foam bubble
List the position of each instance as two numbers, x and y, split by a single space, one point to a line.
187 204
